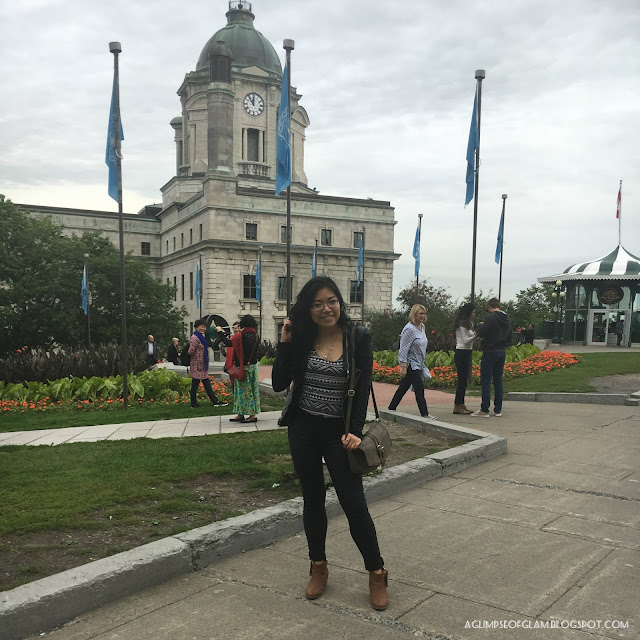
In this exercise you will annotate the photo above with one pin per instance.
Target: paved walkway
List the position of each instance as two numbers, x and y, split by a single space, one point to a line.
548 534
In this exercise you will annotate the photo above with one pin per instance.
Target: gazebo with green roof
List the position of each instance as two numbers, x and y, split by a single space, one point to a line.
601 293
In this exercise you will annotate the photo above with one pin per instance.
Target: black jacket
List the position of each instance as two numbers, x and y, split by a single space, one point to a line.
283 374
173 355
495 332
249 346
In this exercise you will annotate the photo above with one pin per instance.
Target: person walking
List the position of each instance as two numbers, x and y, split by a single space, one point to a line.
495 332
173 354
315 353
465 335
242 351
413 349
199 366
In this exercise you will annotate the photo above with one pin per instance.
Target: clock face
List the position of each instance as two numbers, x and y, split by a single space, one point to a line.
253 104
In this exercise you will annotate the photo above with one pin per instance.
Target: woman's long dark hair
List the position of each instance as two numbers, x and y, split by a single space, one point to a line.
304 330
463 317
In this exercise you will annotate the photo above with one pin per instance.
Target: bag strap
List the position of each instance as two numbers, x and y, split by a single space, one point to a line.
375 404
352 382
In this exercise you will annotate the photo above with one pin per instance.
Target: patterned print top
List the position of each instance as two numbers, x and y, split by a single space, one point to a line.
413 346
324 387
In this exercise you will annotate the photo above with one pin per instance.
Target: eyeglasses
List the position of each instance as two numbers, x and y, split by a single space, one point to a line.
332 304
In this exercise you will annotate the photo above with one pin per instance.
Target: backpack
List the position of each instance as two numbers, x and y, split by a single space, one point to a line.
185 358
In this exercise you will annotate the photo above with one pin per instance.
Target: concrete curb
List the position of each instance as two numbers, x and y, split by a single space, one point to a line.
632 400
41 605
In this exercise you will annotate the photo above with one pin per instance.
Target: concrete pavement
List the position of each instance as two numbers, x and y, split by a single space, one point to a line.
545 535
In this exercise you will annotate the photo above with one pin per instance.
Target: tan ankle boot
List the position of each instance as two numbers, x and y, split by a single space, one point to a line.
468 411
378 589
319 573
459 409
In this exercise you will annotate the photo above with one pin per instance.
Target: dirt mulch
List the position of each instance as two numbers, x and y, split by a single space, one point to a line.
619 383
28 557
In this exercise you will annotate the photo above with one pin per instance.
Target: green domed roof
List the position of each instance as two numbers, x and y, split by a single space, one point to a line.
249 47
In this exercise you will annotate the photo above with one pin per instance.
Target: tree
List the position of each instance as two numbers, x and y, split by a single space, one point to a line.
532 305
437 300
384 326
40 283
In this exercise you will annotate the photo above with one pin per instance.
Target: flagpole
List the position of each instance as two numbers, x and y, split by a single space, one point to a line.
260 301
288 46
116 49
502 221
620 214
202 314
420 237
480 75
86 268
364 230
314 261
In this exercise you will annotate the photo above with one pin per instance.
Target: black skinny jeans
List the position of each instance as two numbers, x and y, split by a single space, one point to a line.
462 358
206 383
310 439
411 378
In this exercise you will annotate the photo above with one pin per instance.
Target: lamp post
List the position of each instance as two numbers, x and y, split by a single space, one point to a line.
86 270
558 295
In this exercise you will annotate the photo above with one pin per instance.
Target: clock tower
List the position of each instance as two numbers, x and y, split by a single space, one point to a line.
230 108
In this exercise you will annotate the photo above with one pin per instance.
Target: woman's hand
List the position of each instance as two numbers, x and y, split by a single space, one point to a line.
350 442
285 334
403 368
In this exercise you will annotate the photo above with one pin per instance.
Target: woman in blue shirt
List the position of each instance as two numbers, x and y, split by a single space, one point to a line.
413 349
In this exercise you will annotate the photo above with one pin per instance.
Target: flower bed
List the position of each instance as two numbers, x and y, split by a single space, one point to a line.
446 376
95 396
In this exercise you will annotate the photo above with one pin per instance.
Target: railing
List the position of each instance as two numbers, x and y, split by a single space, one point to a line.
240 4
254 169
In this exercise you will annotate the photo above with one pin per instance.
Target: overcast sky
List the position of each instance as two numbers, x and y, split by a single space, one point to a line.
389 89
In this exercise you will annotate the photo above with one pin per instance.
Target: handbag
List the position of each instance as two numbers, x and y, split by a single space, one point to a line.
375 445
238 373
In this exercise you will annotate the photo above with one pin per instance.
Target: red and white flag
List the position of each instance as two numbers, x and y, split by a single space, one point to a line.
619 207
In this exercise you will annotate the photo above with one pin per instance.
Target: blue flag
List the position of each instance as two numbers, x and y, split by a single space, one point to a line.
198 286
283 138
416 251
258 283
360 258
314 261
472 146
110 156
499 245
85 291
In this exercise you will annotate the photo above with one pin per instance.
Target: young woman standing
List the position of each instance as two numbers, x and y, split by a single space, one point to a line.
314 354
465 335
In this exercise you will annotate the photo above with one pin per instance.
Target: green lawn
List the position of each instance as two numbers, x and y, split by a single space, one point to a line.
32 420
574 379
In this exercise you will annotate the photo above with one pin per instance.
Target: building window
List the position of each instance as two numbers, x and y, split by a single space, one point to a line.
325 237
191 285
167 246
145 248
168 281
282 286
174 243
175 289
279 326
249 287
190 236
355 292
182 285
251 232
191 328
283 234
182 240
357 239
200 232
253 144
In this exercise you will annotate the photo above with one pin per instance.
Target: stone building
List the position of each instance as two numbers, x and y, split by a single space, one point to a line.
220 210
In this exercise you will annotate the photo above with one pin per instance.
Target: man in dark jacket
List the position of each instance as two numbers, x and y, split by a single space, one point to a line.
495 332
150 349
